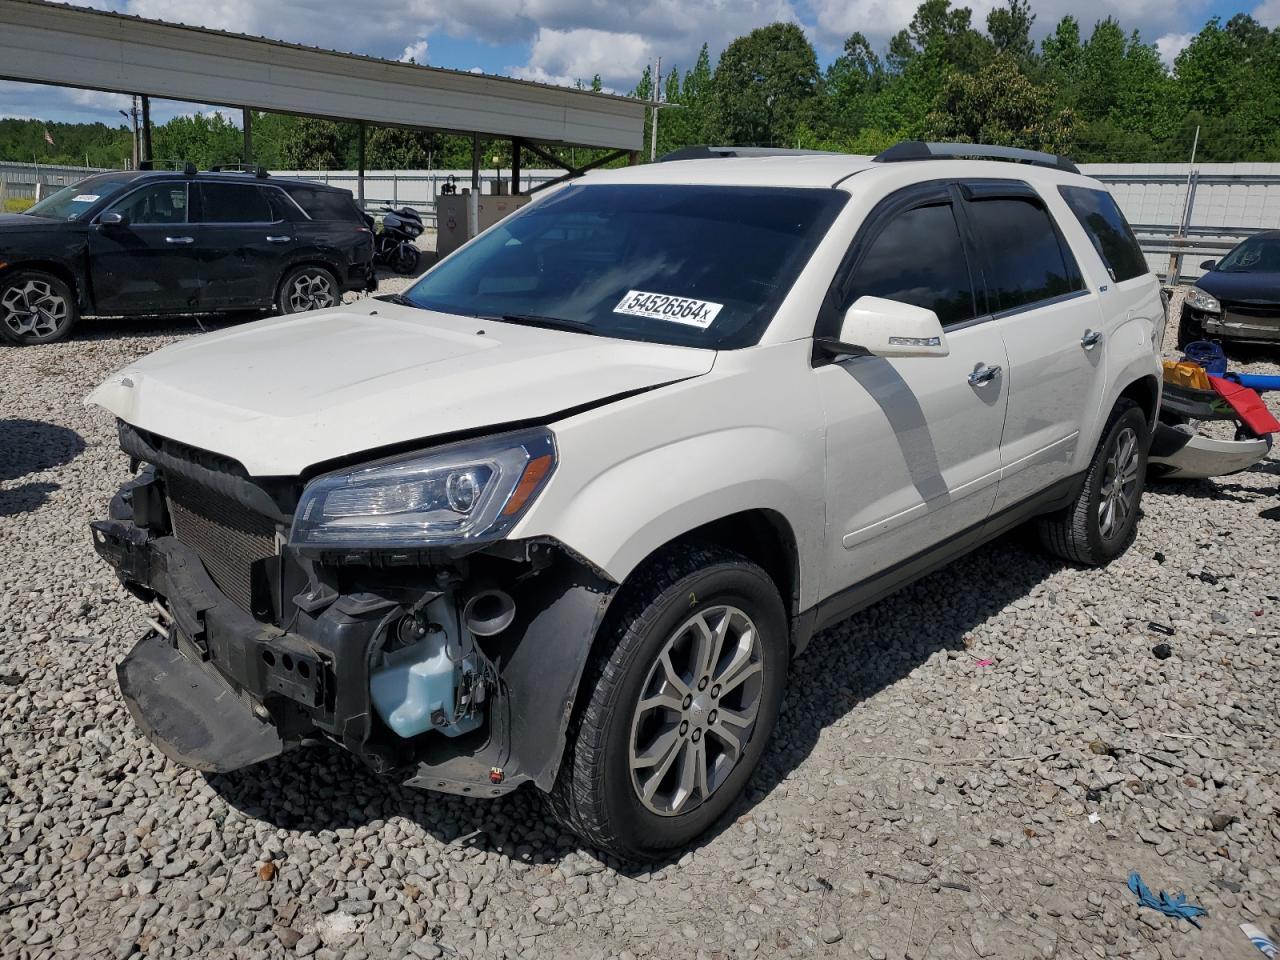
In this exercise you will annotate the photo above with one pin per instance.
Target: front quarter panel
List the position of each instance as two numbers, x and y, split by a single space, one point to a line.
636 474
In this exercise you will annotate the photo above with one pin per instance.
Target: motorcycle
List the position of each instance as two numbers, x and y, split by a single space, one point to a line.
393 245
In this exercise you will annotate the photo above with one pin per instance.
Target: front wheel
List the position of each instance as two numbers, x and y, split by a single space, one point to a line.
1102 522
307 288
405 259
679 703
35 307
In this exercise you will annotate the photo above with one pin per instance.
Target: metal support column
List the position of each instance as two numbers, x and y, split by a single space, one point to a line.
360 169
515 165
475 163
246 125
146 129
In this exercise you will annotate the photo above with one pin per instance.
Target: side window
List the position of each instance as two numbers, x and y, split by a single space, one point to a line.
282 208
918 259
327 204
1025 258
157 203
1108 230
234 203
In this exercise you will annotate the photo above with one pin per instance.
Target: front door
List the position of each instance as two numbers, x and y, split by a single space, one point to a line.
150 263
1052 329
913 445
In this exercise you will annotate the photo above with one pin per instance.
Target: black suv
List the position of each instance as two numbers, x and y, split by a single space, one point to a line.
145 243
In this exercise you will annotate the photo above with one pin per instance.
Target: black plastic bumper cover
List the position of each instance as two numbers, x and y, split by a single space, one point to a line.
189 713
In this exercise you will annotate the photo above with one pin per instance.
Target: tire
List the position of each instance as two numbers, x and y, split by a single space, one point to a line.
1189 330
1081 533
35 307
307 287
406 259
618 748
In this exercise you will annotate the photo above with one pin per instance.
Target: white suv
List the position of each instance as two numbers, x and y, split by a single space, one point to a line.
563 512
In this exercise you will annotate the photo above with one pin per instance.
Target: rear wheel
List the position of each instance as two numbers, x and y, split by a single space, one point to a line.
406 258
1101 523
307 288
35 307
679 703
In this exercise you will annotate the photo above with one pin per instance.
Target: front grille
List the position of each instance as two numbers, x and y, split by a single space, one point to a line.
228 537
1252 310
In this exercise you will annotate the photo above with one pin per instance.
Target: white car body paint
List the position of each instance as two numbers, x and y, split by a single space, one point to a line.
868 461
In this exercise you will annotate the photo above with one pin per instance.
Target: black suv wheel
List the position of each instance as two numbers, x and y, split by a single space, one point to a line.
307 288
35 307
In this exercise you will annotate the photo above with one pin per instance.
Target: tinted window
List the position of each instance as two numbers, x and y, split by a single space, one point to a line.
682 264
1255 255
326 204
234 203
1025 260
282 208
1108 230
918 259
158 203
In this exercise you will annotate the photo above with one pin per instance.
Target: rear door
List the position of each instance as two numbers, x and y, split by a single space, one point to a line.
152 263
913 444
243 246
1052 331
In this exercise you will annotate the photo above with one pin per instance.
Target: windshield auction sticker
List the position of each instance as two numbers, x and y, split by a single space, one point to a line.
662 306
85 198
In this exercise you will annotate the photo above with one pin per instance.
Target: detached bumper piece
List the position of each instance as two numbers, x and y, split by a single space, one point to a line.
190 714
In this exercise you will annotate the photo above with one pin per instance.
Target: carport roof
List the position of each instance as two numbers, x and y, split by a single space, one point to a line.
55 43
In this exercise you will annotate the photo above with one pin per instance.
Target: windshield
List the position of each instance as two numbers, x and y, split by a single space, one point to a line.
689 265
69 202
1255 255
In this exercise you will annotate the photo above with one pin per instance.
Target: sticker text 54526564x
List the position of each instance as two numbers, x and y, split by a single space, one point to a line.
663 306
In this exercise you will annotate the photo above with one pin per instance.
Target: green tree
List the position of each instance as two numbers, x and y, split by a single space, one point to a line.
1009 28
765 86
319 145
1000 104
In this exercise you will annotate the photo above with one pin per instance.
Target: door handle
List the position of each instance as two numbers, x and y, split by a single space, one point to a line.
278 239
179 239
983 375
1091 339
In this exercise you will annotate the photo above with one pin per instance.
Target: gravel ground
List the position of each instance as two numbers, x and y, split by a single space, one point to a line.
970 768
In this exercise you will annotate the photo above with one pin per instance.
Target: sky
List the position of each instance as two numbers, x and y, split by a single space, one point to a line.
560 41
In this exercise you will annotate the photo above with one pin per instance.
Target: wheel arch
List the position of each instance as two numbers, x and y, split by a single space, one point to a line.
53 268
1145 392
312 259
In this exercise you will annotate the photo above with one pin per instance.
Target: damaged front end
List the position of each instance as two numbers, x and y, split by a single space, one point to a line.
284 612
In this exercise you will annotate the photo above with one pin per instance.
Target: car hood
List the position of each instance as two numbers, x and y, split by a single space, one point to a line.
1241 286
10 222
287 393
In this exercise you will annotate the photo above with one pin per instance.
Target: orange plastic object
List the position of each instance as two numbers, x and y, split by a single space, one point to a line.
1184 373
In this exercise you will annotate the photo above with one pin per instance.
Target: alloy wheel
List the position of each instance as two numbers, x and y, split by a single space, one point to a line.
311 290
697 710
1119 484
33 310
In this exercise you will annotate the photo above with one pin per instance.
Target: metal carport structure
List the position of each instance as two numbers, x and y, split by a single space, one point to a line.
52 43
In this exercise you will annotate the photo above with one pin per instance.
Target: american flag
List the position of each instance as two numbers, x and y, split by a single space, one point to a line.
48 139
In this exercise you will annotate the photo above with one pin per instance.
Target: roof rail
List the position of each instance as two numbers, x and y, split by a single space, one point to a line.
704 152
186 166
919 150
258 171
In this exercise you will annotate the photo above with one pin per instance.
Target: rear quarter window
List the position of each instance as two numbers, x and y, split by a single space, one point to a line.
327 204
1108 230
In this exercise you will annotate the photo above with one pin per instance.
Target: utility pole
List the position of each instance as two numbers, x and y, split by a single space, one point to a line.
1175 258
653 129
132 116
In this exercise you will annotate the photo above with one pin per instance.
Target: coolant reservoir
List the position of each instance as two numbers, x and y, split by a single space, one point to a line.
413 683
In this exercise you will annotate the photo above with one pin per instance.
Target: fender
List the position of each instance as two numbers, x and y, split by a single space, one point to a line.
639 473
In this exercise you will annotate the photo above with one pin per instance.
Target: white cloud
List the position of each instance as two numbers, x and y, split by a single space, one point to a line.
1172 44
563 56
1268 13
417 52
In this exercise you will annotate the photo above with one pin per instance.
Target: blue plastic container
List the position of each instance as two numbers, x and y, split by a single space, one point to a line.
1209 355
415 682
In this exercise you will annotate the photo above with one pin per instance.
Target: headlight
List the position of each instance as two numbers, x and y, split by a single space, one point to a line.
1200 300
465 492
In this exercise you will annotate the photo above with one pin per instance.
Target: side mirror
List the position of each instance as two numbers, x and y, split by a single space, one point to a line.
114 219
1208 264
878 327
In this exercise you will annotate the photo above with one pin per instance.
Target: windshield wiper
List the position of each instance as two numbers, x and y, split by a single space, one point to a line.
400 299
539 320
